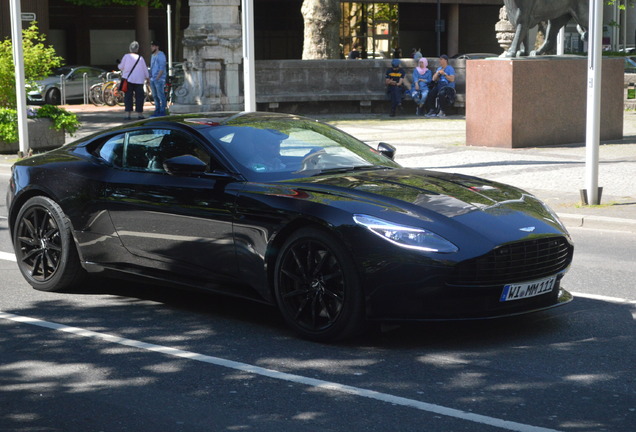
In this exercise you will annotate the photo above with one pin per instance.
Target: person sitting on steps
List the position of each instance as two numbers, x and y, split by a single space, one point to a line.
394 79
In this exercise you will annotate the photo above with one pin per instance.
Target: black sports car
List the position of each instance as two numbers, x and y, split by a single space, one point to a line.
289 211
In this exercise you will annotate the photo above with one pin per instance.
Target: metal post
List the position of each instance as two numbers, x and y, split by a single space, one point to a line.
169 15
614 32
85 87
62 90
18 61
249 69
592 131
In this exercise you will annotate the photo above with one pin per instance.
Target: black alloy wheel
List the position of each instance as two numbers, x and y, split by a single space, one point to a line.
45 250
317 288
53 97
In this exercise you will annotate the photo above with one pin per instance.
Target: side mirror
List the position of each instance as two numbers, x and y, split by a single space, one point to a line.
185 165
387 150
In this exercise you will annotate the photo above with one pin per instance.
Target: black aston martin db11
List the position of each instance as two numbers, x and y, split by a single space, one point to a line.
288 211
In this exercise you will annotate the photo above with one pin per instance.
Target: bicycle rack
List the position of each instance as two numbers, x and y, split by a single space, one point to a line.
62 90
85 87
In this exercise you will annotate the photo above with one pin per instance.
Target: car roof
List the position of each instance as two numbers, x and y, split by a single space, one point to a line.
211 119
196 121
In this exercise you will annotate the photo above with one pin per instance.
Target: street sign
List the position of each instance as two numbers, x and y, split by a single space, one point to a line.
27 16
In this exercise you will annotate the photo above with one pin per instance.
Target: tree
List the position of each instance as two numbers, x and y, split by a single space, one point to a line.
39 61
322 24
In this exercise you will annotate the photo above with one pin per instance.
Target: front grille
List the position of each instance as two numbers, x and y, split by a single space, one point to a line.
515 262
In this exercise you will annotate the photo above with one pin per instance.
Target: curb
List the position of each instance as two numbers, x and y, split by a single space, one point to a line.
598 222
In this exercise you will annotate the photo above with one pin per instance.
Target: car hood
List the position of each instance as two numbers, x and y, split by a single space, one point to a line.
49 81
435 196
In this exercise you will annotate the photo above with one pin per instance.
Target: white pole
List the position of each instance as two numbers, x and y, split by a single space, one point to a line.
249 70
561 41
615 32
169 40
592 130
20 89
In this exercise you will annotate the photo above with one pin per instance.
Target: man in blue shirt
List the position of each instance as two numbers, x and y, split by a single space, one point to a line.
158 79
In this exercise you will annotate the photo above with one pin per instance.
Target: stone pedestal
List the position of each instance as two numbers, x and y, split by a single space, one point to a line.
212 48
538 101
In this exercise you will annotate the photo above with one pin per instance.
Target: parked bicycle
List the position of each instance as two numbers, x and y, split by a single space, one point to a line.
107 92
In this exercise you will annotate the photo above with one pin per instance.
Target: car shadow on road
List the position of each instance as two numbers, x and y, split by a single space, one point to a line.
564 324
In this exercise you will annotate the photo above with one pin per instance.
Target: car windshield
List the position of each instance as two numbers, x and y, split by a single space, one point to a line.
275 149
64 70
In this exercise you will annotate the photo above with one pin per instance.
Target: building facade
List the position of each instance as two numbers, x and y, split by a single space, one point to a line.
100 36
207 35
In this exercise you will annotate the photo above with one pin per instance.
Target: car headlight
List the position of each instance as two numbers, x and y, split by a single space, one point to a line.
34 88
406 236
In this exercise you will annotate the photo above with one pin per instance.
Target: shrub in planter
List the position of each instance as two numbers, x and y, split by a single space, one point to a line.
60 120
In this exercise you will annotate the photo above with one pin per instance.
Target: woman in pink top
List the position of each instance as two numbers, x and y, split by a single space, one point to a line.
133 68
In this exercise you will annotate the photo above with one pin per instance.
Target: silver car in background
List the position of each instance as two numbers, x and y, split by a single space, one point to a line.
48 90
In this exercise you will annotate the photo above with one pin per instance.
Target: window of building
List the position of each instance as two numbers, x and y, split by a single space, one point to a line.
372 26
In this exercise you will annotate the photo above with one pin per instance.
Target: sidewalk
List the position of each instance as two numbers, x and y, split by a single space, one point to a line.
553 173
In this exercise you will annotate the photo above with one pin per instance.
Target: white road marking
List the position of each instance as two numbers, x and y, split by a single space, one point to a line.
7 256
616 300
270 373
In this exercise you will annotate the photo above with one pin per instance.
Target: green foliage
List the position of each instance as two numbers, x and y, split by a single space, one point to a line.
39 61
622 4
62 120
8 125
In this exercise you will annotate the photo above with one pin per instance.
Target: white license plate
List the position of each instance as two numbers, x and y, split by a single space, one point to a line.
527 289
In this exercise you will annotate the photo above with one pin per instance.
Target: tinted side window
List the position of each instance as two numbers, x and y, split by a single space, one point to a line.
141 148
173 144
147 150
78 74
93 73
112 150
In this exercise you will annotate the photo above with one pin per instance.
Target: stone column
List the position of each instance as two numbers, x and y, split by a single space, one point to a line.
212 49
452 28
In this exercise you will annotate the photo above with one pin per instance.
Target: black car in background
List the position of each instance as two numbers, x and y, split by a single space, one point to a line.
288 211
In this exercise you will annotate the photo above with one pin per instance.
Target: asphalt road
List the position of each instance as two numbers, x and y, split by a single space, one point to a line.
122 356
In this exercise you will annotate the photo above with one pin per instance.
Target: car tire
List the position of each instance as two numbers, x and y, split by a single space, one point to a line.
317 288
53 97
44 247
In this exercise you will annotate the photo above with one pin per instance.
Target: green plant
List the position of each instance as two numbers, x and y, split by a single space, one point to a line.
62 120
8 125
39 61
